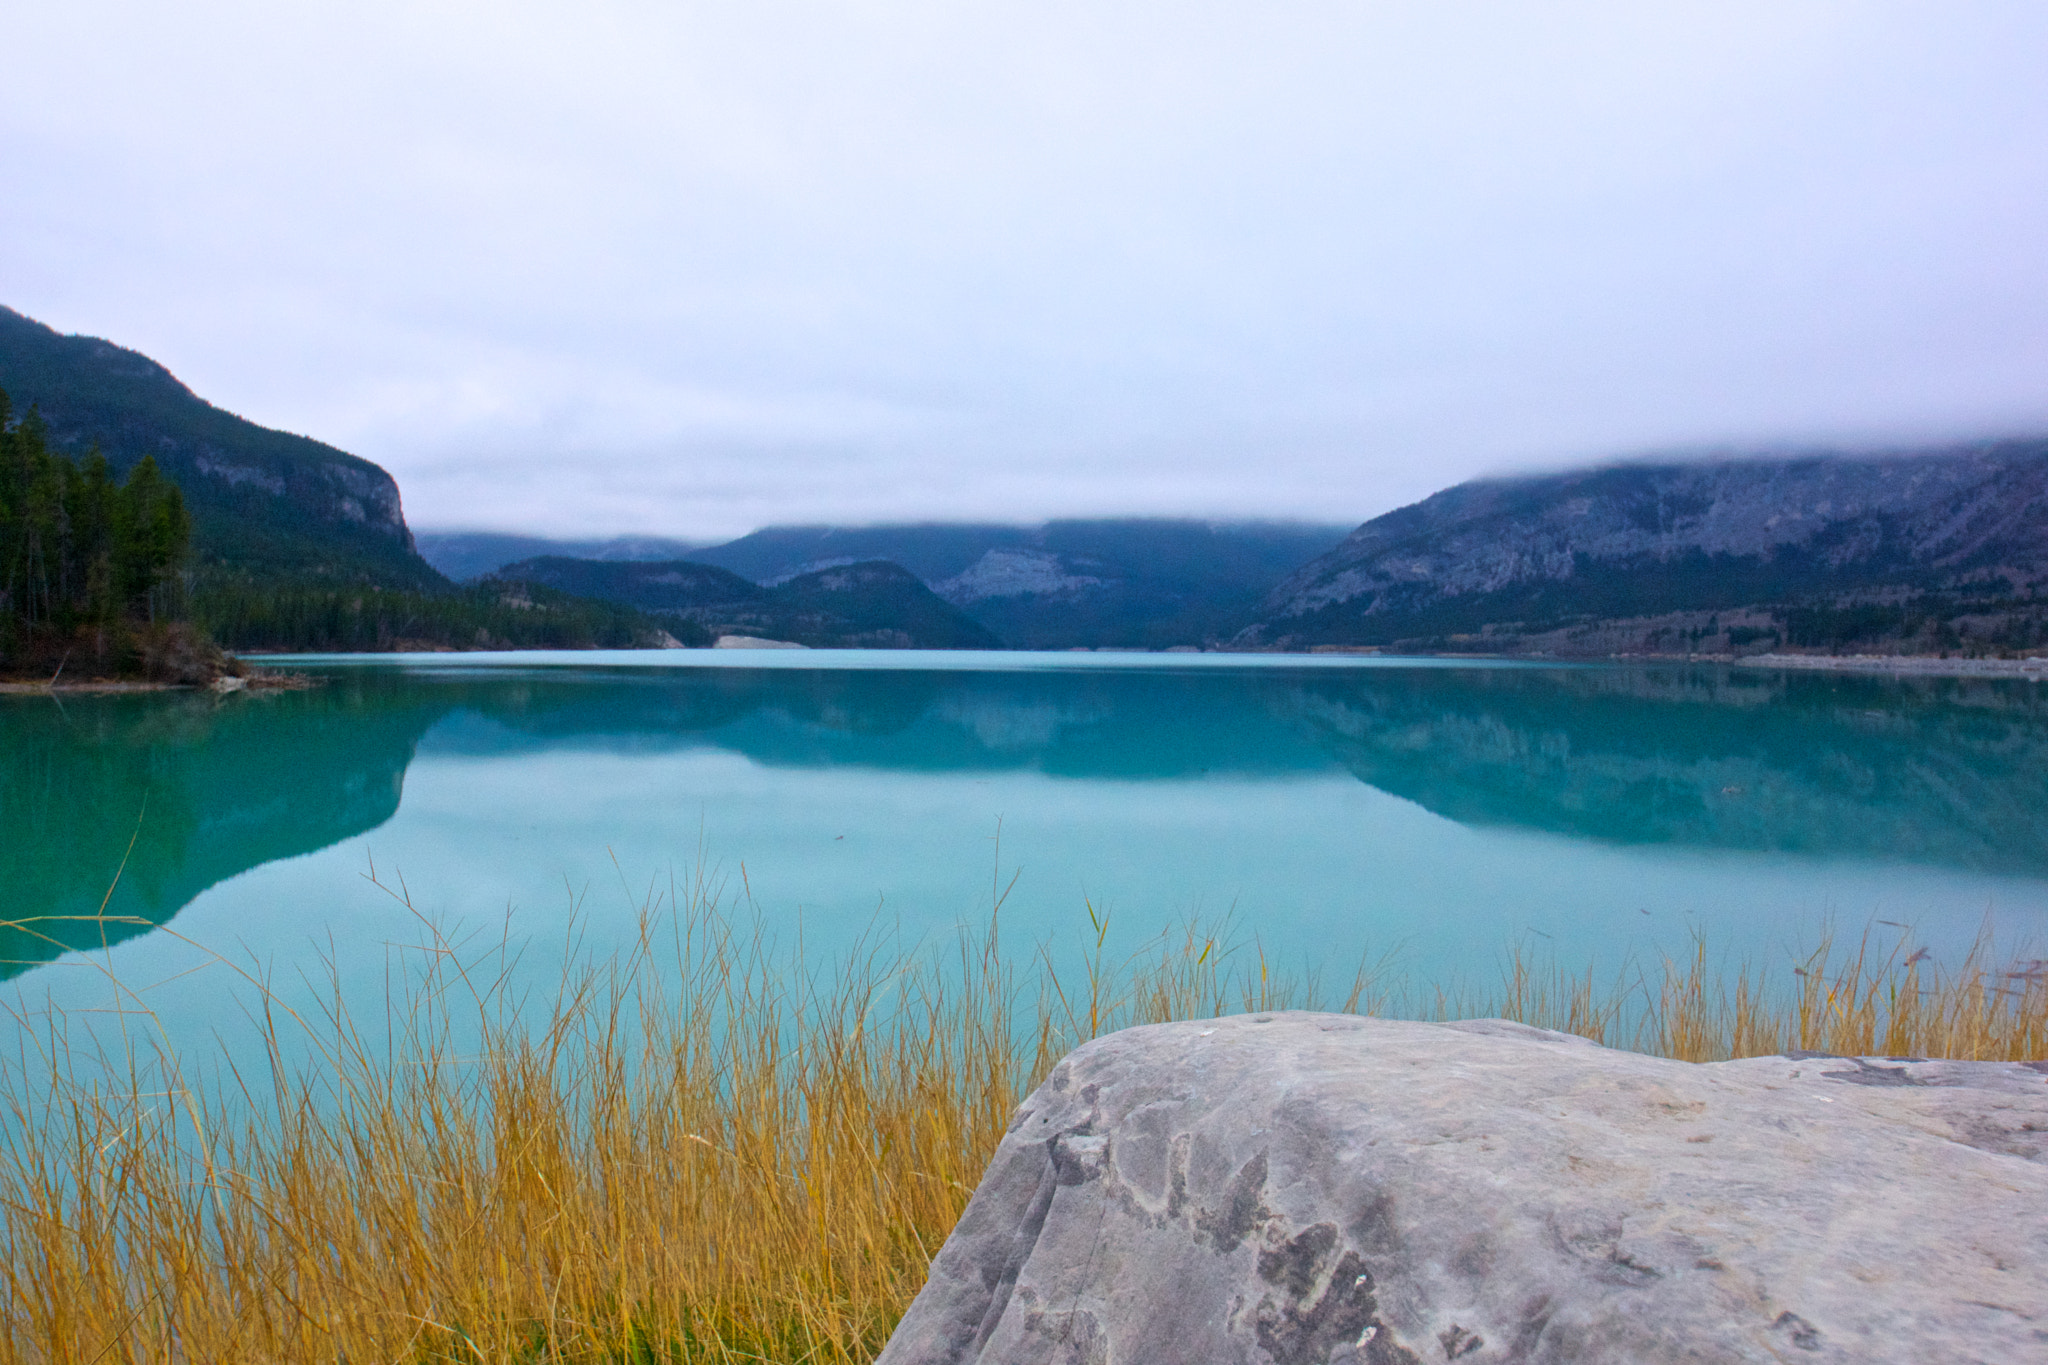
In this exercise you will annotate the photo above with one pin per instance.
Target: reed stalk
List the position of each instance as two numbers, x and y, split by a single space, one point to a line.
703 1148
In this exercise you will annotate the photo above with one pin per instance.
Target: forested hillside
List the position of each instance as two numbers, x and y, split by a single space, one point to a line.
263 503
130 498
477 616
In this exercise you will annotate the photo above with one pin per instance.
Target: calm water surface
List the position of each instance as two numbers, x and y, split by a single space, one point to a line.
1335 808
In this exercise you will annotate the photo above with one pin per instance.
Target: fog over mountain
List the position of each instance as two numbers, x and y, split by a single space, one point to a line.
688 270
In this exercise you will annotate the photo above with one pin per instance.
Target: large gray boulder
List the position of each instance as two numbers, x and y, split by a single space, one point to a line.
1296 1188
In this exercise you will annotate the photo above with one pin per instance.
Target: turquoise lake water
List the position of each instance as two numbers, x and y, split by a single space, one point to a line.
1337 809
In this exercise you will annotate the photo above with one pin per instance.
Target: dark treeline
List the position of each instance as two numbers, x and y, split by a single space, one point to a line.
1996 623
81 553
315 618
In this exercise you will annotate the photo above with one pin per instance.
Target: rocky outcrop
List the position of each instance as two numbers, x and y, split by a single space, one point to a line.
1673 548
1014 573
1295 1189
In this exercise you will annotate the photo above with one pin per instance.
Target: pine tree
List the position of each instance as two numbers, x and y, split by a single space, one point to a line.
37 485
152 533
94 499
11 498
78 549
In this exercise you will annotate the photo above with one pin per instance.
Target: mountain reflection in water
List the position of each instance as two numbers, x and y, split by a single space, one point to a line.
1949 773
159 797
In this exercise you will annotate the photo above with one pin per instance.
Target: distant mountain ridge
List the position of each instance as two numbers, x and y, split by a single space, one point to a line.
1929 550
467 555
262 501
1130 582
874 605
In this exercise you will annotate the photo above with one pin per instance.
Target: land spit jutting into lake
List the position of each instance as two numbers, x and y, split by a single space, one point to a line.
702 1148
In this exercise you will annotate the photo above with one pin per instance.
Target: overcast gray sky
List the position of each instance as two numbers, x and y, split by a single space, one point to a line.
692 268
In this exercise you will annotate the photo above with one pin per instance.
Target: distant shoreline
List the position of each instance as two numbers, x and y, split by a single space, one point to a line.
1901 663
1922 665
266 679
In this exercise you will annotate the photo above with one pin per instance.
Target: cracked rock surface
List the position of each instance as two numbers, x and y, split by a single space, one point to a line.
1303 1188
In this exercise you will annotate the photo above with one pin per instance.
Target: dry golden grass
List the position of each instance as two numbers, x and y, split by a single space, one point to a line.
1868 1001
700 1150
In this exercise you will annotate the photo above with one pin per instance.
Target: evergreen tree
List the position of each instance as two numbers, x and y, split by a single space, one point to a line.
94 504
151 533
32 487
10 509
77 549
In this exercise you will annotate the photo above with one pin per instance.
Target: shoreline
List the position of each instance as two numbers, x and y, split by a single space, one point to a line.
261 678
256 680
1918 664
25 689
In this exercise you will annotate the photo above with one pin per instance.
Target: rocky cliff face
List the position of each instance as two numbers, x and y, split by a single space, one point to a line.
1520 557
261 500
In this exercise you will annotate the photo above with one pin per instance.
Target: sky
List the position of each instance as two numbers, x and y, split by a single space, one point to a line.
689 268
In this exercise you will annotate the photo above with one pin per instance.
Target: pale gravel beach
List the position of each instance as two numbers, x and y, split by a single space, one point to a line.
1895 663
